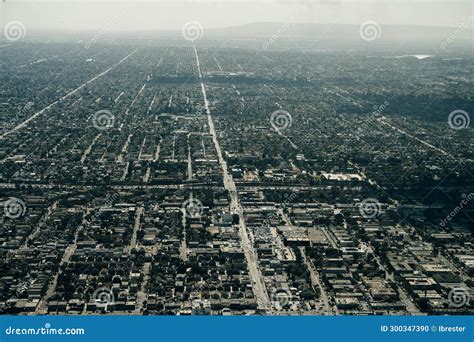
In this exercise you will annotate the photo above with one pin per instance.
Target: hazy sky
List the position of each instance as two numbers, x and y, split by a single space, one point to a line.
160 14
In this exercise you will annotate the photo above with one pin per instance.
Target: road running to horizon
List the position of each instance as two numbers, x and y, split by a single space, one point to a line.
258 284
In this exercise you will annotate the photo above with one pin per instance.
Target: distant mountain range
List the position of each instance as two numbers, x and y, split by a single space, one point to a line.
324 32
290 35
